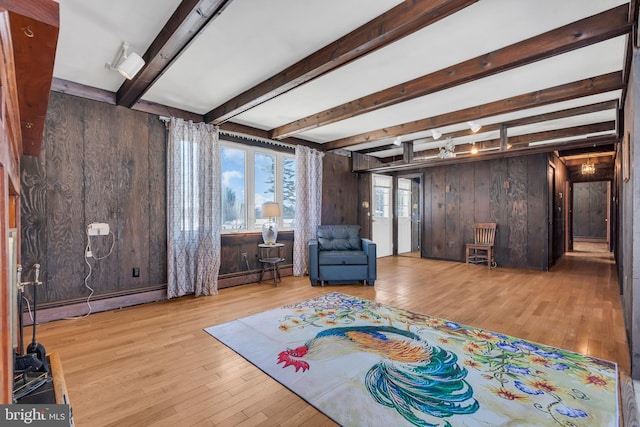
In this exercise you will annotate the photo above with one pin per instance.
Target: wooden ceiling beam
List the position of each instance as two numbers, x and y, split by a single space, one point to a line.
562 133
402 20
520 141
586 151
594 29
188 20
563 114
591 86
421 162
595 159
538 118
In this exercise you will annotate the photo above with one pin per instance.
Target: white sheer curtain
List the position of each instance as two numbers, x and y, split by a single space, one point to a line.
193 209
308 204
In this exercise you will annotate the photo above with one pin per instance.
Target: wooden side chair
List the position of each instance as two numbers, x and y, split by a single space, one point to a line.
482 248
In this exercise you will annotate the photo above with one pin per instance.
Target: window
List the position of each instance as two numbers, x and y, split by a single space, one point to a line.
252 176
264 184
382 196
233 188
189 178
289 192
404 198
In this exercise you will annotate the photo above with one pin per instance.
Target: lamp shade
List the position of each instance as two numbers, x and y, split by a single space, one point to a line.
270 210
131 65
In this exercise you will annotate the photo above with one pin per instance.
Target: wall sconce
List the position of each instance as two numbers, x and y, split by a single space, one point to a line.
474 149
397 141
126 63
475 127
436 134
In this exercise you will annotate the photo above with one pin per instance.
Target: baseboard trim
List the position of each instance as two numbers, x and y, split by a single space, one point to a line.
105 304
78 309
590 239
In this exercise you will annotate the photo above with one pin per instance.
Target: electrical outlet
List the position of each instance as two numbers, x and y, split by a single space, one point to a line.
136 272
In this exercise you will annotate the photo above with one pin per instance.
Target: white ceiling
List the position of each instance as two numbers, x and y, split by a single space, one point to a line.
253 40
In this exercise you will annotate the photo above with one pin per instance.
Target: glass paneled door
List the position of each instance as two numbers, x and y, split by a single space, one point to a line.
382 226
404 216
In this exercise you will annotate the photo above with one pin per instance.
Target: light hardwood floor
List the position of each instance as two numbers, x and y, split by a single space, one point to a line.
154 365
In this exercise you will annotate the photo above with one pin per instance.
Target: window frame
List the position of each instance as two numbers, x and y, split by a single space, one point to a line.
253 224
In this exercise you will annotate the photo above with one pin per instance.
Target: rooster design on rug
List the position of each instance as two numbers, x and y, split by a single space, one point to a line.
413 377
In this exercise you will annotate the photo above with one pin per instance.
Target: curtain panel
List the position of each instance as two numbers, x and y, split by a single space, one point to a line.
308 205
193 209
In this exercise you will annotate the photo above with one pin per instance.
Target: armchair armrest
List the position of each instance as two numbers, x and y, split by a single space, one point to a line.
369 247
313 261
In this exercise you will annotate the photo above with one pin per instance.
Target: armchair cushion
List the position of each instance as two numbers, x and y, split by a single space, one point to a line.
342 257
339 237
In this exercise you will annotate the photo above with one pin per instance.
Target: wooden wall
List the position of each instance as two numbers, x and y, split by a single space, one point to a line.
558 203
102 163
339 190
590 210
511 192
99 163
628 243
365 203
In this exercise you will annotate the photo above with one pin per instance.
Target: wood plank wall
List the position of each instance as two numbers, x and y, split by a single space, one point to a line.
510 191
628 216
102 163
339 190
590 210
99 163
365 203
559 205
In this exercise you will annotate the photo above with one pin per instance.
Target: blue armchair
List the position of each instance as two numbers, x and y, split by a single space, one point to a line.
340 255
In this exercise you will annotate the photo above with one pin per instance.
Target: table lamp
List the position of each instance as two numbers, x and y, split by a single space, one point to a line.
270 210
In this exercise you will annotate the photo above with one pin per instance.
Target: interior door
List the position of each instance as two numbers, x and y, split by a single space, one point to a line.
404 216
382 224
416 215
551 212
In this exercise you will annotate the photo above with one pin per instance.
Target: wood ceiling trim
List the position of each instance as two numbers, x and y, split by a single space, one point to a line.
604 160
188 20
561 114
591 86
522 141
562 133
594 29
368 164
402 20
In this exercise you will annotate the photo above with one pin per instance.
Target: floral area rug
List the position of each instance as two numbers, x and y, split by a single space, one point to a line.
368 364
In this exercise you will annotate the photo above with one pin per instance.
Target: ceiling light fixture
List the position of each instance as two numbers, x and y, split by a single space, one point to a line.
397 141
474 149
447 151
475 127
588 168
436 134
126 63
